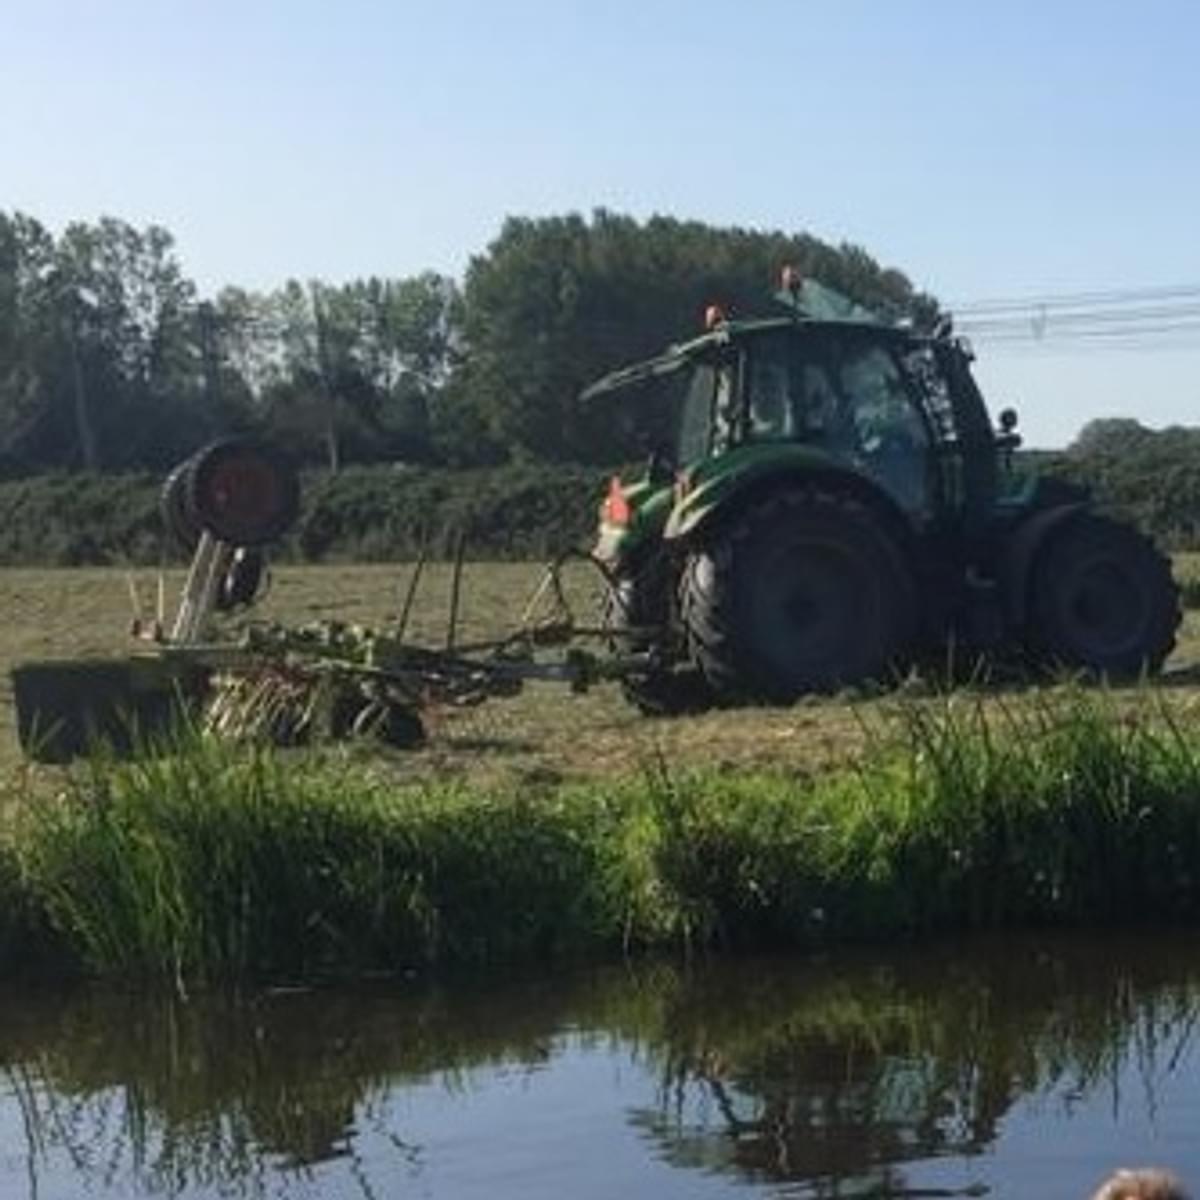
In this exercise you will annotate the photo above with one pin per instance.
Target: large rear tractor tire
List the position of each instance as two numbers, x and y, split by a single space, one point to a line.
806 591
1102 599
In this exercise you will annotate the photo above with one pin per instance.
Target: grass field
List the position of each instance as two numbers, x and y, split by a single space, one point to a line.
544 735
988 808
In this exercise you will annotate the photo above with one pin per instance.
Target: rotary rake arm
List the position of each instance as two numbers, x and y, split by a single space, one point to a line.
343 678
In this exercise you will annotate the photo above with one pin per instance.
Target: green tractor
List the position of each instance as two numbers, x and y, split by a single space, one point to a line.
837 505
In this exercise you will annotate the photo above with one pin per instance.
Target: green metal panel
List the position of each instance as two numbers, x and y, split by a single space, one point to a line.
718 480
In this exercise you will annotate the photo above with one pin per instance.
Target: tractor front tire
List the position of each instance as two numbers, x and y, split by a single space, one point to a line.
805 591
636 599
1102 599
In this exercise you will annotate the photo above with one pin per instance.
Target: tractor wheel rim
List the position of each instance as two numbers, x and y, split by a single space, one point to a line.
816 611
1107 606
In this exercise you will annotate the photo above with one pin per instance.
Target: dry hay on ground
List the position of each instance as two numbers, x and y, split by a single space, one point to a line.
544 734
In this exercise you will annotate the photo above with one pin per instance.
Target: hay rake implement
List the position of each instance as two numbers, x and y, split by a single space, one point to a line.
284 683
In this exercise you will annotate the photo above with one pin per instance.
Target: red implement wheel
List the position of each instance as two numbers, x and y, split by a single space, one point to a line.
240 491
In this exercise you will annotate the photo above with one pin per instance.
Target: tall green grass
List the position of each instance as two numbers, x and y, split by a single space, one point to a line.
963 813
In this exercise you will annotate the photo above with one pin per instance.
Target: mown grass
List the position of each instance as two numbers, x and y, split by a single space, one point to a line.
209 863
542 735
1186 568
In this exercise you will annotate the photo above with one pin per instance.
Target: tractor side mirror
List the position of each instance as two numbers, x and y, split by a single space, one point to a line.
1007 438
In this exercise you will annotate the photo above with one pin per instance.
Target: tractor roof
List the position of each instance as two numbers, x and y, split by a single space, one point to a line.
729 332
812 307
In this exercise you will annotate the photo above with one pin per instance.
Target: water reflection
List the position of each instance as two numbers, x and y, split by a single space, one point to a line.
838 1076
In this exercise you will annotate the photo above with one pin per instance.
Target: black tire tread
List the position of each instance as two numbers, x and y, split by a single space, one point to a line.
172 501
668 693
1045 641
709 612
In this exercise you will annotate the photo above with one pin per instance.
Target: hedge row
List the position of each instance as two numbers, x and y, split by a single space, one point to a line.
364 514
380 513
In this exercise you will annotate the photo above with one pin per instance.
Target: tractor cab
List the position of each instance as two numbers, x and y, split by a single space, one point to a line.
839 393
831 388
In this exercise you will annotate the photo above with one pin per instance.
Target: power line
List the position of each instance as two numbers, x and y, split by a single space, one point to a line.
1156 331
1124 317
1050 332
1068 318
1053 300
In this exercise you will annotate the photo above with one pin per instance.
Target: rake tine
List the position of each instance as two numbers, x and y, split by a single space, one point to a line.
413 582
455 589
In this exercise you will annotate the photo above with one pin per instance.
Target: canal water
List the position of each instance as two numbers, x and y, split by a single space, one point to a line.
1022 1067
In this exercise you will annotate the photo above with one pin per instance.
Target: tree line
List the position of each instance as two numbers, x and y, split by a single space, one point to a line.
1148 476
517 510
111 360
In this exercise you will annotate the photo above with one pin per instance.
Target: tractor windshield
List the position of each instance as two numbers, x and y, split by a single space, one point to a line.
793 397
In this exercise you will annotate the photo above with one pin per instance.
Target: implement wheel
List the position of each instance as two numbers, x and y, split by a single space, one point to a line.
173 505
241 491
806 591
1102 599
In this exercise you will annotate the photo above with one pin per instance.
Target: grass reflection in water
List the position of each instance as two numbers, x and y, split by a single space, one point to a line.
836 1073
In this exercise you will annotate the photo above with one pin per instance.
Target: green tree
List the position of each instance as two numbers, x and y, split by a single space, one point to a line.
361 365
553 302
100 364
128 320
1110 435
27 333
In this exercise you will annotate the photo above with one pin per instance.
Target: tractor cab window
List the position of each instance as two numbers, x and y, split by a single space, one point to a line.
772 398
708 418
726 421
792 397
922 367
695 418
800 392
892 437
770 390
826 417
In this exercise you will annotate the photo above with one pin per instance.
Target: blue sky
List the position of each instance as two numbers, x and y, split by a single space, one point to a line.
987 150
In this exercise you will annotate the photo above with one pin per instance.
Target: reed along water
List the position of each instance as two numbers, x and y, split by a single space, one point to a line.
1022 1067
